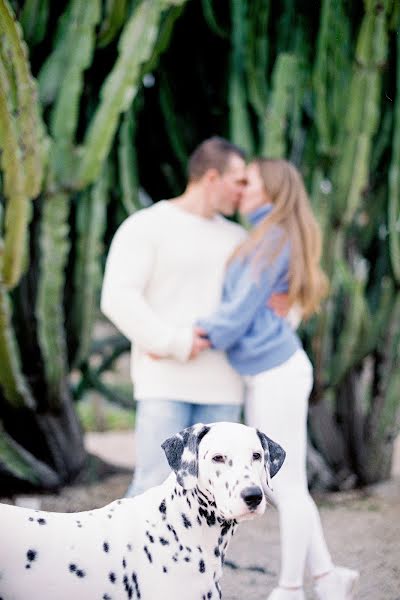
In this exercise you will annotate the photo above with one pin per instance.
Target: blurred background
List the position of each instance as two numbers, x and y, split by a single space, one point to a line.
101 103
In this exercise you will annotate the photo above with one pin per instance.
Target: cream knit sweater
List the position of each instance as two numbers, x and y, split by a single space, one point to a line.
164 271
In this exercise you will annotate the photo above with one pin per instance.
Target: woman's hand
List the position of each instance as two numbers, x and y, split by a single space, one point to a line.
200 342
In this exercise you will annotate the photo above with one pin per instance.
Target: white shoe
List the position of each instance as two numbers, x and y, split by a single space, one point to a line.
282 594
339 584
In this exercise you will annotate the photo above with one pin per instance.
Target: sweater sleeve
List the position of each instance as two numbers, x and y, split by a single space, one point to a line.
244 293
123 301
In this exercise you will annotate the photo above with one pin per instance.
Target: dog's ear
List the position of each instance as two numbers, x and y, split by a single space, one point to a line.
274 455
182 452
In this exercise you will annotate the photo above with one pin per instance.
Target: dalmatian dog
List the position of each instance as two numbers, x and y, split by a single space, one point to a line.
168 543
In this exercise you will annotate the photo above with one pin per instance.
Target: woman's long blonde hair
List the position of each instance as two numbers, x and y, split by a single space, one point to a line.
293 216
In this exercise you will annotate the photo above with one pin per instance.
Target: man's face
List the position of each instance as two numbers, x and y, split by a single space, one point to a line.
227 189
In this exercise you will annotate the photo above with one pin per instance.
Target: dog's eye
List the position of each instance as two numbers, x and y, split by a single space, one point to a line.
218 458
256 456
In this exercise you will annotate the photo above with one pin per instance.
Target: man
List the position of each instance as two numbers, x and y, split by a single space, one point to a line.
165 270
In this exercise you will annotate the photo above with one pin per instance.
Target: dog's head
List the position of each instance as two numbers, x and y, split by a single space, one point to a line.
230 463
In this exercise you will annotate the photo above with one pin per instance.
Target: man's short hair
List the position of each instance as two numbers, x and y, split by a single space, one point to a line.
213 153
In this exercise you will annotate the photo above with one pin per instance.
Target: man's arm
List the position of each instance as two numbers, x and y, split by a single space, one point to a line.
128 269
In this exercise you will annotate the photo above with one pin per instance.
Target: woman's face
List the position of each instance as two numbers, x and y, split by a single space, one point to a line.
254 194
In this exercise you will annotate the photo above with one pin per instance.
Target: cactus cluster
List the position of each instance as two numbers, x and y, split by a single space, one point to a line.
83 130
56 140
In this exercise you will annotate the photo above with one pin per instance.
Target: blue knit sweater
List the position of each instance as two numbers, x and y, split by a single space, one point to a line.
253 336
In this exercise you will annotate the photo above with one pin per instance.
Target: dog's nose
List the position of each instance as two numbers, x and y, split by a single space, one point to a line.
252 496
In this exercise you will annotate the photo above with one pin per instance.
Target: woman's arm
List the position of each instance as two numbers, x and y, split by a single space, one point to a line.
244 293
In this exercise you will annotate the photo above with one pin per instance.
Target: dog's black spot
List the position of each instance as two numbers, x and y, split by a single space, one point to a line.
31 555
202 566
230 463
136 584
128 587
170 528
216 551
78 572
112 577
129 546
148 554
41 521
150 537
106 546
186 521
124 563
106 597
163 541
163 508
165 570
31 519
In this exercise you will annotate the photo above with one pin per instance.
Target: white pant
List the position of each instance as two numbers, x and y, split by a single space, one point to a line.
277 404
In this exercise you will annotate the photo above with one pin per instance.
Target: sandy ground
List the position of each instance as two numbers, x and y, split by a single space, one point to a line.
362 528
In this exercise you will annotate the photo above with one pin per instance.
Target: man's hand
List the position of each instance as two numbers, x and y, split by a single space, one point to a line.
279 303
200 342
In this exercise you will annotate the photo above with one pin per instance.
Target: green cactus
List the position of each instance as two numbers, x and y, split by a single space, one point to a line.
22 143
172 125
12 380
394 182
54 244
91 221
135 47
330 74
24 466
55 241
116 11
240 127
208 11
362 117
276 120
314 86
128 164
34 18
256 55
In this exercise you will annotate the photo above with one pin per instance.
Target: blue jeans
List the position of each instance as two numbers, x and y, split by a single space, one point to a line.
157 420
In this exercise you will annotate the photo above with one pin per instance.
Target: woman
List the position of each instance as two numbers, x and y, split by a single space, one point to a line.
281 254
